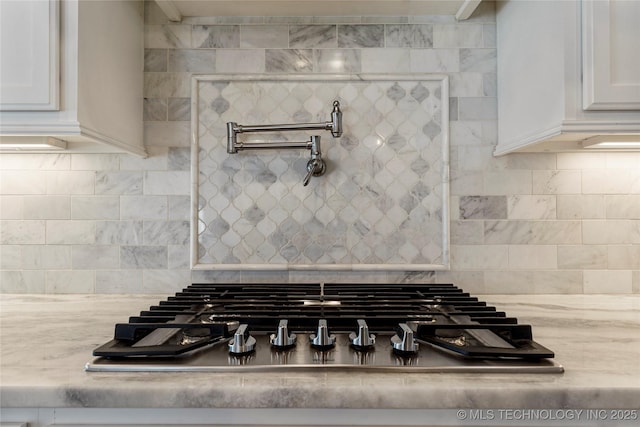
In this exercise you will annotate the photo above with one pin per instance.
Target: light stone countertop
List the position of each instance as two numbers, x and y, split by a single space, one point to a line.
45 341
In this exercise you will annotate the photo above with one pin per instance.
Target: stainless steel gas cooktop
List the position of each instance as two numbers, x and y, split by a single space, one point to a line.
221 327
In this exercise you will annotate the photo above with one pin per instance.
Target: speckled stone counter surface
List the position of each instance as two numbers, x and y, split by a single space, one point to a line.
47 339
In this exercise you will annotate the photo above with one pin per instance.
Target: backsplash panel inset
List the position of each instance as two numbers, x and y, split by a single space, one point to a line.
382 203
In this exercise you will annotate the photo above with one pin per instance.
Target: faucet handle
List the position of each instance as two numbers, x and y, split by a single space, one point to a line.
310 168
315 167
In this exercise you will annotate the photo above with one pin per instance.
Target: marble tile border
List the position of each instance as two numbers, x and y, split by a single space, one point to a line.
445 242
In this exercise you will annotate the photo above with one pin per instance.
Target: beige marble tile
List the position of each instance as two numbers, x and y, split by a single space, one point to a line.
337 60
47 207
216 36
11 207
240 61
70 282
534 282
15 232
385 60
434 60
95 162
466 84
160 135
167 85
118 183
313 36
155 109
192 60
479 257
531 207
507 182
22 182
607 282
118 281
72 182
360 36
22 281
167 36
582 160
624 257
41 257
410 35
478 108
610 232
60 232
459 35
143 207
143 257
622 206
533 257
610 181
31 161
156 160
264 36
582 257
557 182
167 183
10 257
99 257
581 206
164 281
524 232
155 60
489 35
95 207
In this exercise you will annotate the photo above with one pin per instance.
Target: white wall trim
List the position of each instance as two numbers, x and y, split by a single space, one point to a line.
444 81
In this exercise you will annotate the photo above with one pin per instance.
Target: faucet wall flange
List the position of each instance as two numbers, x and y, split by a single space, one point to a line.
232 139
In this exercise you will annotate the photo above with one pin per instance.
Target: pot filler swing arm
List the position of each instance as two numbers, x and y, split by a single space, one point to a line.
315 166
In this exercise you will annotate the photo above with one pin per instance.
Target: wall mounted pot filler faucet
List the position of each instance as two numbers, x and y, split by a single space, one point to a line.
315 166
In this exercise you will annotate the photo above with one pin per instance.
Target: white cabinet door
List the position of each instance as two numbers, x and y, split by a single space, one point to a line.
611 54
29 52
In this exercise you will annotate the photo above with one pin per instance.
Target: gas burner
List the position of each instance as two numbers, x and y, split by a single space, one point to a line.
459 341
320 303
213 319
193 335
449 333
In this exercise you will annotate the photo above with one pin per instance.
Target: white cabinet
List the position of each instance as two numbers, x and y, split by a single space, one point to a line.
101 51
540 70
29 63
611 55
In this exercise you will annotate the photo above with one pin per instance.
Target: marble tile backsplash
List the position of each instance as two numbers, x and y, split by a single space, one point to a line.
380 203
522 223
